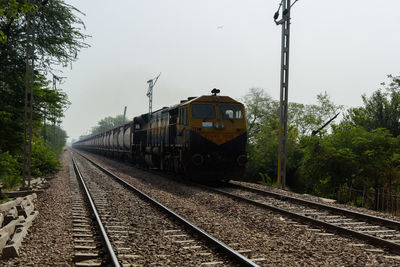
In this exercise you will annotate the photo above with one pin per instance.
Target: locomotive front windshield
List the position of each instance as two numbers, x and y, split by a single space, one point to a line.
203 111
231 112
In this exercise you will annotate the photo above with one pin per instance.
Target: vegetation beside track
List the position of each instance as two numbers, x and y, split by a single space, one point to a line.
360 153
58 39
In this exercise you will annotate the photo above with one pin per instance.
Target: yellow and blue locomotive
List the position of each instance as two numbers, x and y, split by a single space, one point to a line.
201 138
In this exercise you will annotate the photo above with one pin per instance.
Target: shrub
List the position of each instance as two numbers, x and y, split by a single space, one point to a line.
43 159
9 170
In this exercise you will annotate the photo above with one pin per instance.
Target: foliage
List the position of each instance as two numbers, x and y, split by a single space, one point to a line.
310 117
11 10
263 121
263 150
260 107
106 124
57 40
48 104
9 170
350 156
381 110
265 179
58 37
43 159
361 153
54 137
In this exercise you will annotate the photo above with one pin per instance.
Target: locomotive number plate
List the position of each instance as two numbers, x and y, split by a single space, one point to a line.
207 124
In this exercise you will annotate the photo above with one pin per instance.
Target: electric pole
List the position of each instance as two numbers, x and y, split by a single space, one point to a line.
284 87
54 117
149 94
124 115
28 108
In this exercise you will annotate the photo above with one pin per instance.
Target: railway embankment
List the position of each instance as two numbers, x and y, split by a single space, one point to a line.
268 238
48 241
260 234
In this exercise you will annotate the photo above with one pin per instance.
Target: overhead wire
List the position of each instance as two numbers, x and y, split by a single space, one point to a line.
293 3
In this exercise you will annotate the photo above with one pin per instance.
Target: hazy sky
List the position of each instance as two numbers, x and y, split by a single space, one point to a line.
343 47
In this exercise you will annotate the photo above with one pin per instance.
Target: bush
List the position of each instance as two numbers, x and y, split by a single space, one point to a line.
9 170
43 159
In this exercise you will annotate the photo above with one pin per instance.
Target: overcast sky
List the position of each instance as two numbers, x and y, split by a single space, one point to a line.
343 47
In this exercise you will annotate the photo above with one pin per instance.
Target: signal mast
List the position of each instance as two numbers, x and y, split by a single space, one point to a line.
149 94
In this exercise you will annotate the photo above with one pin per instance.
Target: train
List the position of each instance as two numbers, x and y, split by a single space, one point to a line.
200 138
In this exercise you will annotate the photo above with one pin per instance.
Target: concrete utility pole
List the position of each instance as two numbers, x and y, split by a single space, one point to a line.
283 114
28 108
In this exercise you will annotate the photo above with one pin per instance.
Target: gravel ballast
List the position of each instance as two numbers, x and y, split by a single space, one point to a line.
145 234
266 236
49 240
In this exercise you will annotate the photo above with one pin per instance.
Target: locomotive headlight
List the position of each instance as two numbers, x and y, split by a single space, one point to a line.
219 125
241 160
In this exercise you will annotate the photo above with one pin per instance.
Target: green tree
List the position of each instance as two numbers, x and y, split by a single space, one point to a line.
350 156
380 110
58 39
263 119
106 124
310 117
11 10
260 108
9 170
263 151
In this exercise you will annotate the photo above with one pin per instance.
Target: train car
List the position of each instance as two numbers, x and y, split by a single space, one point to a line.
202 138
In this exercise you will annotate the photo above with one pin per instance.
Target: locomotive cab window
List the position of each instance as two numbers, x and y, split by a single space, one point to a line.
183 117
231 112
203 111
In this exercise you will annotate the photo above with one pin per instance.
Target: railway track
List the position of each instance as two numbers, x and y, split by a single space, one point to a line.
381 232
164 240
91 243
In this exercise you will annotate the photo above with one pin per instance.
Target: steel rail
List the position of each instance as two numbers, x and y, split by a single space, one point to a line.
394 247
386 222
104 235
219 244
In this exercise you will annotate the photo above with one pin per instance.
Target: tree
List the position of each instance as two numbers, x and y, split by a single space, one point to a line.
310 117
263 151
263 119
9 11
260 107
351 156
380 110
106 124
58 39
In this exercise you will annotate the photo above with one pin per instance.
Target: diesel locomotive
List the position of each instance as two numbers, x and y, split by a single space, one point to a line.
200 138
